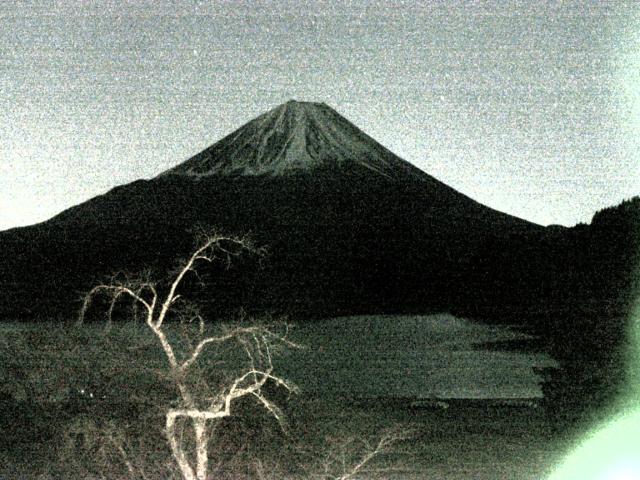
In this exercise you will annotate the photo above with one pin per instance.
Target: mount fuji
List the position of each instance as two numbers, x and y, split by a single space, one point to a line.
349 225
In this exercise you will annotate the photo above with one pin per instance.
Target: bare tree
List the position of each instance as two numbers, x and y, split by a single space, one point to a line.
351 458
197 404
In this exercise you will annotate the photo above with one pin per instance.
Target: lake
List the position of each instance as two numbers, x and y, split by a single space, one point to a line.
411 357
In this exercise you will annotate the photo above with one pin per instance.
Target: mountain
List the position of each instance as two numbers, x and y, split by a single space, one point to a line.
293 138
349 226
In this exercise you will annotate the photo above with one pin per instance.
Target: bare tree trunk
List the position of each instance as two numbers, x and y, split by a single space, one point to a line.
176 449
202 454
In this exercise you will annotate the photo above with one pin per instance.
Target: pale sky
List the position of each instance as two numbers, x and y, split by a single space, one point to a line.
532 108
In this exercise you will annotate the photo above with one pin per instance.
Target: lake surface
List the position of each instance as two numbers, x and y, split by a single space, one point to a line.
411 356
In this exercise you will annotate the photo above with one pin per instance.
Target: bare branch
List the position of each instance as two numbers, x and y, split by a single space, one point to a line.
237 333
123 456
273 409
203 343
386 441
206 252
114 291
352 457
189 312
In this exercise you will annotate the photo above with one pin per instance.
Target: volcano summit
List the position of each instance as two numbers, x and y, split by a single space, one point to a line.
292 138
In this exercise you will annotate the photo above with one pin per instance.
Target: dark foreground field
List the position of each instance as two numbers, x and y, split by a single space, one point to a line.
80 402
462 442
465 441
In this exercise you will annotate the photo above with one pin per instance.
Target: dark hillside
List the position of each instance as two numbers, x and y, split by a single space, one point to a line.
337 244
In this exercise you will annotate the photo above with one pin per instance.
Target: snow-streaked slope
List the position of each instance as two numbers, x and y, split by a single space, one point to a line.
292 138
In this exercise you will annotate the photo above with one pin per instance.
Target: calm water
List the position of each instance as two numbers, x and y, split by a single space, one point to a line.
411 356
